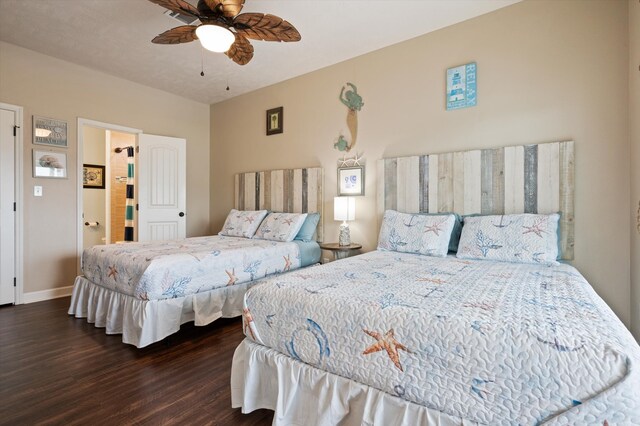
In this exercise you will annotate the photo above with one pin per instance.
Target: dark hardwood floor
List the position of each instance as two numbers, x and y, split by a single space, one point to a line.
56 369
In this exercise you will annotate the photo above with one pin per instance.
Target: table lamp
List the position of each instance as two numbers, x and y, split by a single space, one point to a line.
344 209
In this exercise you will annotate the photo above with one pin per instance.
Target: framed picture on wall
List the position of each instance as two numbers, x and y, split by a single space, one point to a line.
92 176
49 164
275 121
351 180
49 131
462 86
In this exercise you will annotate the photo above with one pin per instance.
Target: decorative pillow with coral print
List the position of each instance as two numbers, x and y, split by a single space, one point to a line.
521 238
416 233
280 226
242 223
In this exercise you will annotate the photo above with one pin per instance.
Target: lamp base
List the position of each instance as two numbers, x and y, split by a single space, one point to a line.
345 236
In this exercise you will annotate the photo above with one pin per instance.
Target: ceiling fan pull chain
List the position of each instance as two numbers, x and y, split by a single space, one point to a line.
202 61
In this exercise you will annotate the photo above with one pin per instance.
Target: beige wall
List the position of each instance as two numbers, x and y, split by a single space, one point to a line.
53 88
634 138
547 71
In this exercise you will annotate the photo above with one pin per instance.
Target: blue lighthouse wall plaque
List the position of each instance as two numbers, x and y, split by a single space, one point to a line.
462 86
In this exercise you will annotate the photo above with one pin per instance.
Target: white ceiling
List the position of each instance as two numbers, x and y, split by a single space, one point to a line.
114 36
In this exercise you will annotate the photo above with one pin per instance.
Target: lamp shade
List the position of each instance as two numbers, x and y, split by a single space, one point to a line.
215 38
344 208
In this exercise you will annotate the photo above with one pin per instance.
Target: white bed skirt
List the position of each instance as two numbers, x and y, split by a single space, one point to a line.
301 394
142 322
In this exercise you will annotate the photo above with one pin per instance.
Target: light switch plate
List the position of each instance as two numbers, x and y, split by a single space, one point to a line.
37 191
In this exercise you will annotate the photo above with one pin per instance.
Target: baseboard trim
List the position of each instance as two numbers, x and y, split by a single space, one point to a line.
54 293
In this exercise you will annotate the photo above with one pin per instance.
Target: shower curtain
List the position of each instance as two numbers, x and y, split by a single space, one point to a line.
129 212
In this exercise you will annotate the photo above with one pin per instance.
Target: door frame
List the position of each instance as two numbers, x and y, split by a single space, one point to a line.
79 160
19 195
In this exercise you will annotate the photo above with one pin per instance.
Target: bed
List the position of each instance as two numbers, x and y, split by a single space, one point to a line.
436 338
146 290
401 338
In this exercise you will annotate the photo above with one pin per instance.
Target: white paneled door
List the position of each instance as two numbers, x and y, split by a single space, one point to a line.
7 205
161 188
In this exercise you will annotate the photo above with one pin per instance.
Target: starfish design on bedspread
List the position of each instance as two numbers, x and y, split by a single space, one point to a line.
232 277
288 221
537 228
113 272
436 228
247 320
387 343
287 263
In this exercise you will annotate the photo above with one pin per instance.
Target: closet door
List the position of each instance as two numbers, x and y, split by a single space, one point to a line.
161 188
7 203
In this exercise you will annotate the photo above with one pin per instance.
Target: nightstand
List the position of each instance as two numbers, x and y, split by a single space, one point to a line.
341 252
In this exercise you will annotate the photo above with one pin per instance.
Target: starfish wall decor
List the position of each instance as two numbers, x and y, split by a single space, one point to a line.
351 161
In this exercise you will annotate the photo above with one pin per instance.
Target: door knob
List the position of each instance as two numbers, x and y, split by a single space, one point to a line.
181 214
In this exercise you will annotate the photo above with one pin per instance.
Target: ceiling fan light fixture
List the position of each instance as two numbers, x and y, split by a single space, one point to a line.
223 28
215 38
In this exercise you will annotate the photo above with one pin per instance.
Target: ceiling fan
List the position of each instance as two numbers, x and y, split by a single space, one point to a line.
224 29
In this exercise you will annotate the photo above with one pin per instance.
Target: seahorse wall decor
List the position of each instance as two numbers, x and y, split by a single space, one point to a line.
353 101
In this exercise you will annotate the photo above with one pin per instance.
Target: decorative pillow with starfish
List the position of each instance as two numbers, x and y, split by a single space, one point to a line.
280 226
521 238
242 223
416 233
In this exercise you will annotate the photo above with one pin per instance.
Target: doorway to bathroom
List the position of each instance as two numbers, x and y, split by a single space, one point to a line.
105 175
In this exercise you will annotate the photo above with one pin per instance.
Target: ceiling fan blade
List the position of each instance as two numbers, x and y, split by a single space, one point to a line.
178 6
230 8
260 26
241 51
177 35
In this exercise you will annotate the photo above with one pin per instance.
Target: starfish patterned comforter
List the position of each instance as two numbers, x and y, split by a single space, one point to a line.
169 269
487 341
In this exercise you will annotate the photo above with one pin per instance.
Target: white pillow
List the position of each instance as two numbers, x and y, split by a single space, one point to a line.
416 233
242 223
521 238
280 226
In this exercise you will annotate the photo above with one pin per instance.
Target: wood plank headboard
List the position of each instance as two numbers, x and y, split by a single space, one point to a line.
288 190
517 179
